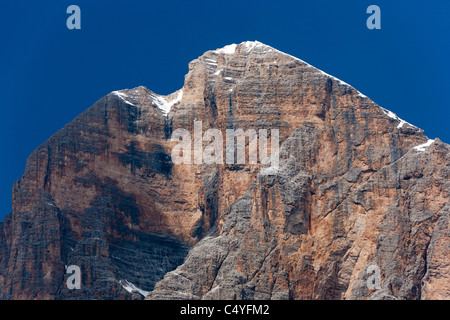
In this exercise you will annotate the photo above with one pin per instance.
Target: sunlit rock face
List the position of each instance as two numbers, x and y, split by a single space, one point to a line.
356 187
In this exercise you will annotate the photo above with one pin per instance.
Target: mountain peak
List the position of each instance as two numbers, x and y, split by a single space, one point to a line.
353 187
231 48
270 56
245 47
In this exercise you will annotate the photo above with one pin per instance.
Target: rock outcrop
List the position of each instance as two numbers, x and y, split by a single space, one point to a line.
357 188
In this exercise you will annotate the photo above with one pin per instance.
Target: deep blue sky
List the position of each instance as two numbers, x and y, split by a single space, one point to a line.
49 74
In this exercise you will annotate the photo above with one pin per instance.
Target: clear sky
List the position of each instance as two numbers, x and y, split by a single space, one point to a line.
50 74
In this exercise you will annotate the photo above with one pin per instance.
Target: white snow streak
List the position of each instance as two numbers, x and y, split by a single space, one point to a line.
392 115
123 96
230 49
127 285
165 105
423 147
251 44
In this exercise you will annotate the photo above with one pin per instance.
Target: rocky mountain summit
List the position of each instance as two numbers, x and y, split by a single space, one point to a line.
357 188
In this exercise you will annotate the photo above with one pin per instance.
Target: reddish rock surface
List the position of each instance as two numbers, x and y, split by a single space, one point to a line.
353 190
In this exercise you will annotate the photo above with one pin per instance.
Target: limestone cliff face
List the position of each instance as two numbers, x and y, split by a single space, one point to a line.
356 187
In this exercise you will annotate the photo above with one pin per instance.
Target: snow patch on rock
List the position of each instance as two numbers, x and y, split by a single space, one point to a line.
165 105
229 49
127 285
424 146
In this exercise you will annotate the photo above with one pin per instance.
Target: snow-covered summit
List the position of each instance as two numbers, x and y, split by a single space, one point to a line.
164 103
248 46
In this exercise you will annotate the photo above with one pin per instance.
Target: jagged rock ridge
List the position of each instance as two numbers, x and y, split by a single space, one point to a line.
357 186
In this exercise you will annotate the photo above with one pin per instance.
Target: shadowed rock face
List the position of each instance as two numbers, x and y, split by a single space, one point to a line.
352 191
